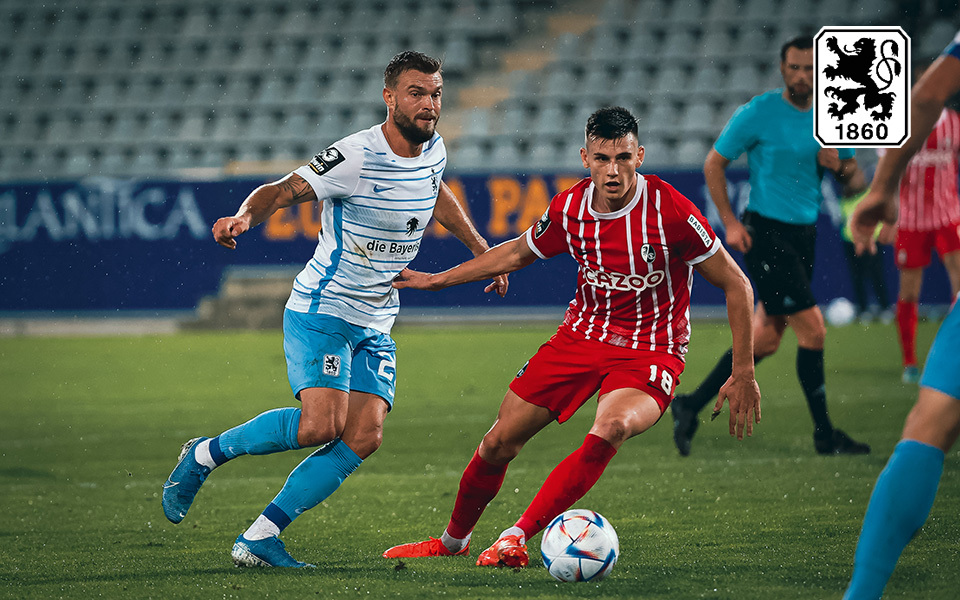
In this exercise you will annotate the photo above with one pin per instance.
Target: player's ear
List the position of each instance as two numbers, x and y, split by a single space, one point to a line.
640 153
388 95
583 157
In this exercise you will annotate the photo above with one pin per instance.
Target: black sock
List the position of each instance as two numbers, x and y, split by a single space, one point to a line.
708 389
810 373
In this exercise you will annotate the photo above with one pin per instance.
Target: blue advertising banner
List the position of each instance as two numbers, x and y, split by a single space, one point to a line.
107 244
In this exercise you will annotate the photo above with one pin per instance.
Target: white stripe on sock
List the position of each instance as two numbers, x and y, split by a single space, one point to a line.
203 455
261 529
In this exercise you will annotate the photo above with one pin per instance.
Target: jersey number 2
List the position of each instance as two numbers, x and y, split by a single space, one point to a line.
666 379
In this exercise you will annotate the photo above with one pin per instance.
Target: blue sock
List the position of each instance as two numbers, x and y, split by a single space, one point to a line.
269 432
899 506
312 481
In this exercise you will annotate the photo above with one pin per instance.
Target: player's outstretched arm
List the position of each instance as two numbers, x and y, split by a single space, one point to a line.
929 95
259 205
740 390
450 213
503 258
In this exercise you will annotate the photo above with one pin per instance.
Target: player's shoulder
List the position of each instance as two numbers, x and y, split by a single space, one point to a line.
577 189
656 184
765 101
673 204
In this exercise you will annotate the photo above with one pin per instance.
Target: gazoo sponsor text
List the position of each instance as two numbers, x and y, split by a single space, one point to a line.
619 281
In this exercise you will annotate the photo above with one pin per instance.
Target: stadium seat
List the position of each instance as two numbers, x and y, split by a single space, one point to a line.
476 124
708 83
468 155
698 119
685 13
690 153
561 81
680 46
505 156
671 82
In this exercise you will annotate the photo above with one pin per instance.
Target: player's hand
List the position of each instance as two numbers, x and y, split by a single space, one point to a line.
875 207
499 284
887 234
225 231
743 396
829 158
408 278
738 238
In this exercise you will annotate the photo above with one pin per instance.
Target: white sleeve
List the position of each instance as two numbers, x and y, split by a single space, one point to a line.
335 172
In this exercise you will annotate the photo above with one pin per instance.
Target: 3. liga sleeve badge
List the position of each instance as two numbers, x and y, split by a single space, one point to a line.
861 87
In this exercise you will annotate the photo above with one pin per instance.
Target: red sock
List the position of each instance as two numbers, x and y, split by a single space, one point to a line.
907 328
567 483
479 484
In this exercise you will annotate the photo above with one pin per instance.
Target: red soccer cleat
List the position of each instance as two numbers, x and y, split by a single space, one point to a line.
431 547
505 552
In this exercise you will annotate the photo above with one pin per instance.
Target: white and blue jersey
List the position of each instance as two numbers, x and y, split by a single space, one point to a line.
781 152
376 206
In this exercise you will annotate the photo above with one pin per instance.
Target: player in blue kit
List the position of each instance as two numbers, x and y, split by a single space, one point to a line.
379 188
905 490
777 236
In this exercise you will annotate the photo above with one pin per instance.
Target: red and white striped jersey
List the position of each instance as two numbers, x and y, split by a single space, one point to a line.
928 190
636 264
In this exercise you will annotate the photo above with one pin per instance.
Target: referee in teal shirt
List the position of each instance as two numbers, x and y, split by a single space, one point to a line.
777 236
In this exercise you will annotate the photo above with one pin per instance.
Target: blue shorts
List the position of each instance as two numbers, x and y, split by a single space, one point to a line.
325 351
942 369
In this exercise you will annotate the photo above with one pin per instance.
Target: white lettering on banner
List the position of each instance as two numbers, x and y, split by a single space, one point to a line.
102 209
619 281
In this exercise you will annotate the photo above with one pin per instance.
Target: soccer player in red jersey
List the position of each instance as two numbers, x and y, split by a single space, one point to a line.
929 219
637 242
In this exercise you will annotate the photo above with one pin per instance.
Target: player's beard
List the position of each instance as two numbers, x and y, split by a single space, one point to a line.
409 129
800 98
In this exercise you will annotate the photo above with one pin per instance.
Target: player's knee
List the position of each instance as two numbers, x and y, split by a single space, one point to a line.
317 433
615 430
766 346
366 444
496 450
815 338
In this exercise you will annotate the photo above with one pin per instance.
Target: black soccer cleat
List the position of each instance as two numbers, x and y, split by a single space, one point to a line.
685 423
838 442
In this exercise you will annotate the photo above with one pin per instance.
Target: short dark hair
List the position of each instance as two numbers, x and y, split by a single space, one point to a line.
801 42
409 60
612 123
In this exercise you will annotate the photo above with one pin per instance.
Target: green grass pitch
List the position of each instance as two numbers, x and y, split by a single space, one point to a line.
90 428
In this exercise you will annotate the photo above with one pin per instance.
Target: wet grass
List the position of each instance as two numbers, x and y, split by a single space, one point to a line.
89 429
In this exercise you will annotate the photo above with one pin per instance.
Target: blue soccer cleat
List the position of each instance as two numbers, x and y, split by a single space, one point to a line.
268 552
184 482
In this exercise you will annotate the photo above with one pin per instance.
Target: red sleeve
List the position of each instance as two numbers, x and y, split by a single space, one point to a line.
691 236
547 237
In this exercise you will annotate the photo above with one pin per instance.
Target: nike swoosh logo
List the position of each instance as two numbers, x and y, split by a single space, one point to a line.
170 484
382 188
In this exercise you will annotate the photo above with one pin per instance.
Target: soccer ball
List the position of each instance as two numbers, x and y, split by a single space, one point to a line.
579 545
840 312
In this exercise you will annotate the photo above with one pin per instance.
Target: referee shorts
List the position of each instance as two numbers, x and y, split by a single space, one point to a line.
780 263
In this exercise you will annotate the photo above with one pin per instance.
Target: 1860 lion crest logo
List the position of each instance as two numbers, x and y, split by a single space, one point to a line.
861 87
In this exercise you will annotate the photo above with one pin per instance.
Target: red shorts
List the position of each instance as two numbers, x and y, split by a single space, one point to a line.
567 370
913 247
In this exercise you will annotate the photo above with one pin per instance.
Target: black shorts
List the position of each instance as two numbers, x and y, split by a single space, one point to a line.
780 263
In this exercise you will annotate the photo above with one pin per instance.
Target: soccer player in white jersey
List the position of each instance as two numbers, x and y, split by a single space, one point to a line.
637 242
379 188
